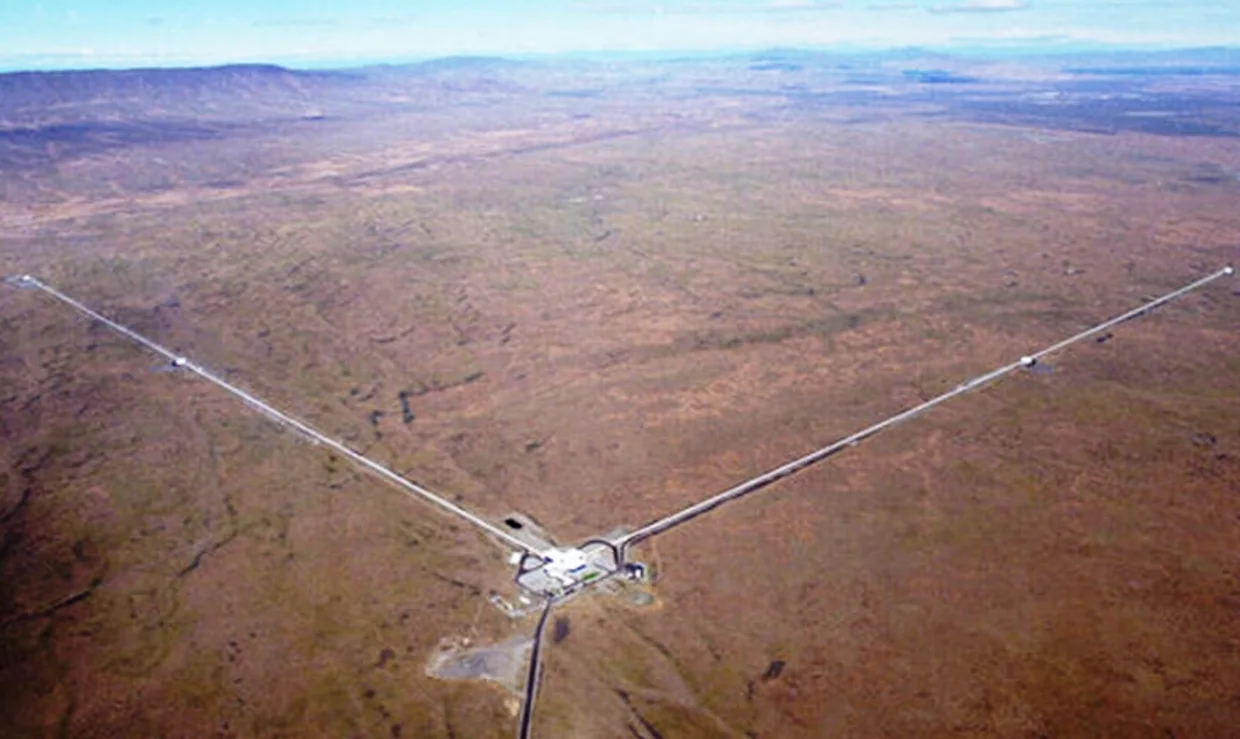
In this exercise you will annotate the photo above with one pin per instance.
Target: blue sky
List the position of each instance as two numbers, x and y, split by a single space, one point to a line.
75 33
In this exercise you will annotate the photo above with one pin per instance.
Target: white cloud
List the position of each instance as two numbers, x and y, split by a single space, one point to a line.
645 7
980 6
798 5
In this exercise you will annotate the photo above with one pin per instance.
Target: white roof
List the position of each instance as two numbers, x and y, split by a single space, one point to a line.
565 559
561 562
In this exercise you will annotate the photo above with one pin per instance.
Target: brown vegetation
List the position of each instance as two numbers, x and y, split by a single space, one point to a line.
594 296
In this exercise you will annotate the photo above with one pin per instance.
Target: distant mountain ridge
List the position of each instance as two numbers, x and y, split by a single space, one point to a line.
48 116
465 64
233 92
209 93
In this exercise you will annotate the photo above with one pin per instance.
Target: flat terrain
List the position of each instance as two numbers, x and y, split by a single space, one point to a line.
593 293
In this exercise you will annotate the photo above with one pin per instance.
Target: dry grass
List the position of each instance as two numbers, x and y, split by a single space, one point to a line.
595 334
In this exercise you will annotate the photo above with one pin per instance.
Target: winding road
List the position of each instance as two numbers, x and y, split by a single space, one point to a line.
532 677
534 672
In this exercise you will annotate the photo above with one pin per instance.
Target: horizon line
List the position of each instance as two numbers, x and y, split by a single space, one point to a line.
1011 48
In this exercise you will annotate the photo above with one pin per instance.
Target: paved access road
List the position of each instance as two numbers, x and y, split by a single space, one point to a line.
534 675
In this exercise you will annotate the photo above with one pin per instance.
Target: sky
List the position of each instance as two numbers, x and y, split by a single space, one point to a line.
110 33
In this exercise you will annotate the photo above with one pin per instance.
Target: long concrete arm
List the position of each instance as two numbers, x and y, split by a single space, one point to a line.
407 486
796 465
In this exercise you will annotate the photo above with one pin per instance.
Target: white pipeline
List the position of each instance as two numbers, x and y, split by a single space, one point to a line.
409 487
